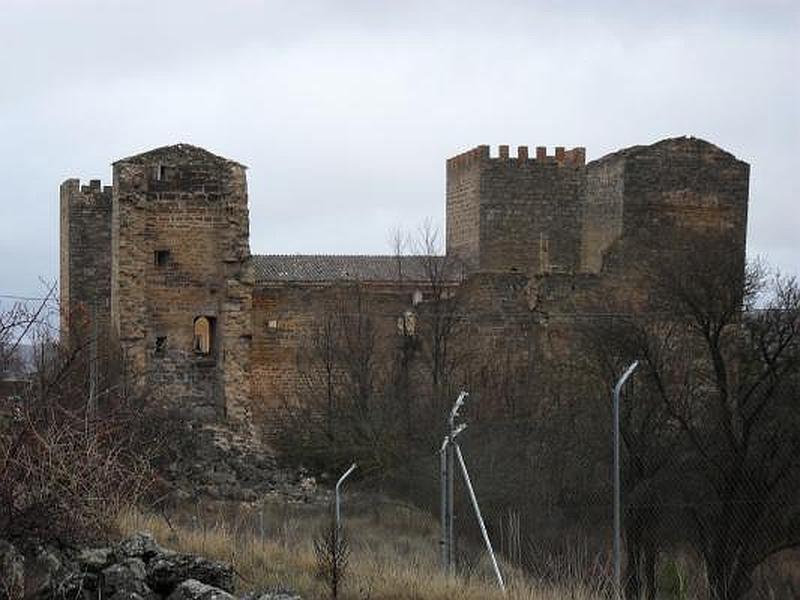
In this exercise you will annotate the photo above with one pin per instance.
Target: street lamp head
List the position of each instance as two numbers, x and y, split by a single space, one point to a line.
457 406
625 376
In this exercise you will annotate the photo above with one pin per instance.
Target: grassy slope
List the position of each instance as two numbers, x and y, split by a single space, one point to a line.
394 552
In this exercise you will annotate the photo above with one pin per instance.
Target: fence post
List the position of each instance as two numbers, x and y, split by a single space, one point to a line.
446 471
617 485
443 541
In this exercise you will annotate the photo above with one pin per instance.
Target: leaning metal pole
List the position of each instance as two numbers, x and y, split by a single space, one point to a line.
479 516
338 496
617 492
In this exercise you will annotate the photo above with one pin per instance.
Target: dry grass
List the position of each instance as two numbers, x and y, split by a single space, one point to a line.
394 552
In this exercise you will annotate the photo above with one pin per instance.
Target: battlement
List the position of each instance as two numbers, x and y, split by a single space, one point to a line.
91 192
95 187
561 156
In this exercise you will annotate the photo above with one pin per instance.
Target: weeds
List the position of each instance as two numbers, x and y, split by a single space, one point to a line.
333 557
393 553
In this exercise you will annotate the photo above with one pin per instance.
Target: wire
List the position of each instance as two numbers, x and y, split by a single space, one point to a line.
26 298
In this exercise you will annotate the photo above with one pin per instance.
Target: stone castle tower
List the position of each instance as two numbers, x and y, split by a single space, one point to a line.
159 264
161 254
601 226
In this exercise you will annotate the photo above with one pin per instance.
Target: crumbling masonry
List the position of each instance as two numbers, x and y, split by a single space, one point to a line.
160 261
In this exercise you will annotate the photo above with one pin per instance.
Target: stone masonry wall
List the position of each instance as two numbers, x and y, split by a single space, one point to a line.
516 213
550 245
85 261
192 205
676 195
286 318
601 220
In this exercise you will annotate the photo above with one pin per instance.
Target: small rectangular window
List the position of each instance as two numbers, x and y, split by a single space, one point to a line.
161 345
161 258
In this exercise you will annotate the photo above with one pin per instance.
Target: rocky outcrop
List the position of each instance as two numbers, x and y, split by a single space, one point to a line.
134 569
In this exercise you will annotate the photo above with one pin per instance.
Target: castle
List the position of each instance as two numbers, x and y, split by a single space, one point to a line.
158 264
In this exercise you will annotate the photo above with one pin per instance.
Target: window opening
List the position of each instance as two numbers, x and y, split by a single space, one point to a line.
203 335
161 258
407 323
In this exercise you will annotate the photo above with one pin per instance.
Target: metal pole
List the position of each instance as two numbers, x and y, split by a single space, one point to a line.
444 504
451 540
480 518
451 469
338 498
617 486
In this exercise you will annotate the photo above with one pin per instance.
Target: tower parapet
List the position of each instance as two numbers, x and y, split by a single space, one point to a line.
574 157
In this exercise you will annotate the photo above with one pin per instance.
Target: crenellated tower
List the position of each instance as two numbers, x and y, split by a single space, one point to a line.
85 262
517 214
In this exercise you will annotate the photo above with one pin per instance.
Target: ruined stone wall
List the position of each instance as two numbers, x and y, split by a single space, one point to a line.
180 241
85 262
286 322
516 214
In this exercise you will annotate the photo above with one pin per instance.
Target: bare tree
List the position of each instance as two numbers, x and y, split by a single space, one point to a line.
716 413
66 469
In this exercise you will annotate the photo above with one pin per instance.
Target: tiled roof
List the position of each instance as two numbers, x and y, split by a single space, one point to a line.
322 268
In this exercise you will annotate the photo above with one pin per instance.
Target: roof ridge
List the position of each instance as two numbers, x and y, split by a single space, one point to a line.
182 147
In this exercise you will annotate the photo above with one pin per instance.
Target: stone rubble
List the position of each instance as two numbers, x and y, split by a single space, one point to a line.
136 568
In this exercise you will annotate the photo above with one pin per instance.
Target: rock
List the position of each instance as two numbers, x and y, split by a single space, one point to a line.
12 570
140 545
95 559
191 589
165 572
79 585
126 579
44 572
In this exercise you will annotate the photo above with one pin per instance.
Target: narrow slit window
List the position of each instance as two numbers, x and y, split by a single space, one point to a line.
161 345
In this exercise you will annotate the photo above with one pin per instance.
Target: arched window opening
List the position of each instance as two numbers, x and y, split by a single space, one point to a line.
407 323
203 335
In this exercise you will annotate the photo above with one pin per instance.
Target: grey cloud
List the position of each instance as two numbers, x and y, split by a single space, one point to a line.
346 111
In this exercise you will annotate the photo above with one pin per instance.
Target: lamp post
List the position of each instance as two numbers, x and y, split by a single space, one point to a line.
617 493
338 497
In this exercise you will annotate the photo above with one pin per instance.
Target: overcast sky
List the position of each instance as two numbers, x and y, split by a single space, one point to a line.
345 112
